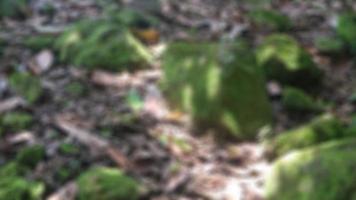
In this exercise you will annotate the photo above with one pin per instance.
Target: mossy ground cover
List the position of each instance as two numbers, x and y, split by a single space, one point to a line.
108 184
321 172
109 46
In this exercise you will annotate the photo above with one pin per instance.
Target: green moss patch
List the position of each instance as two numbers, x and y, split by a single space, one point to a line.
27 86
108 184
102 44
271 19
322 172
297 100
13 8
30 156
40 42
13 186
284 60
346 29
219 87
15 122
321 129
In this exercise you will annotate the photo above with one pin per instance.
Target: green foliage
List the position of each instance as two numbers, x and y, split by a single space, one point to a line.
30 156
323 172
108 184
26 85
271 19
284 60
14 187
104 44
295 99
346 29
215 86
40 42
12 169
15 121
13 8
17 188
321 129
333 45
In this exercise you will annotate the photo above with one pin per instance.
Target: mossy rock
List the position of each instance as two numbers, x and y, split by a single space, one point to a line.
296 100
107 184
271 19
13 8
15 121
102 44
31 156
321 129
40 42
27 86
284 60
324 172
221 87
346 29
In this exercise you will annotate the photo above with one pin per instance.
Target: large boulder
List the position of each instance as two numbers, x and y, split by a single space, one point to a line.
325 172
323 128
221 87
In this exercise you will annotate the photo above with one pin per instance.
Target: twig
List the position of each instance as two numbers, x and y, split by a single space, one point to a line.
94 142
67 192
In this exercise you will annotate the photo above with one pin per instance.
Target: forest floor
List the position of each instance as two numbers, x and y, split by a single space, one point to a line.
154 143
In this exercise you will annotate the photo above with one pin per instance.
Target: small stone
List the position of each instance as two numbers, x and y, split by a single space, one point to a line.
42 62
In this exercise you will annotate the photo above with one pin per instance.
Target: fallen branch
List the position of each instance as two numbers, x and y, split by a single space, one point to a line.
94 142
10 104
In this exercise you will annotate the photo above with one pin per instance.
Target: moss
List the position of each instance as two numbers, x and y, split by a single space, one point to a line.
12 169
330 45
14 187
322 172
30 156
271 19
75 89
15 122
17 188
214 85
108 184
321 129
13 8
40 42
346 29
295 99
284 60
26 85
69 149
102 44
